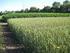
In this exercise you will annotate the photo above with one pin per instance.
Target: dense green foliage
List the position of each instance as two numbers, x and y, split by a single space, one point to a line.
56 7
0 18
23 15
42 35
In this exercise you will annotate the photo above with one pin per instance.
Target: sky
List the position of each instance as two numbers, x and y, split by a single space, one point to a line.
23 4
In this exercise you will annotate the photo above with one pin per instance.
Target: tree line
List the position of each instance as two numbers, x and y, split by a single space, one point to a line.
57 7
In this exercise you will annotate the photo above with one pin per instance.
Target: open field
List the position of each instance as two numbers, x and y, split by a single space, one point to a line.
40 26
42 35
24 15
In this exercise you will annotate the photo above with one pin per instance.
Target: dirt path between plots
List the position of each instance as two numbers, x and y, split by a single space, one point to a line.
10 43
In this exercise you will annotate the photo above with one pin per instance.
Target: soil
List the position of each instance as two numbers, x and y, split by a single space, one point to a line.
10 43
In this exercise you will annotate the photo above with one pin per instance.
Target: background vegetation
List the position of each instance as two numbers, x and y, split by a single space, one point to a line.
25 15
56 7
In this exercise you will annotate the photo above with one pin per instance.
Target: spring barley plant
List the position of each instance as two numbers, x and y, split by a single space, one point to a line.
42 35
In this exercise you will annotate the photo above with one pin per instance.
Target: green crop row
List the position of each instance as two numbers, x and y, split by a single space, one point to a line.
42 35
23 15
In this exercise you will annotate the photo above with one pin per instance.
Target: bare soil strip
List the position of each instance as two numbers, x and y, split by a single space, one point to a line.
10 42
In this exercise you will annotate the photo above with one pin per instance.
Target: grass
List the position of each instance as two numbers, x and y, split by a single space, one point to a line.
43 35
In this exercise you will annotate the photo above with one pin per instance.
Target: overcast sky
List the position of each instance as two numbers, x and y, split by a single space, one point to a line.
22 4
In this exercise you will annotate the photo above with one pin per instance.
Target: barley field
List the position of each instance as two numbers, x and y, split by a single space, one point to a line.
42 35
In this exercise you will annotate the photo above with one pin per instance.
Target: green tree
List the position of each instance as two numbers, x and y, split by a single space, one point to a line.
56 7
66 2
46 9
26 10
66 6
34 9
1 13
21 11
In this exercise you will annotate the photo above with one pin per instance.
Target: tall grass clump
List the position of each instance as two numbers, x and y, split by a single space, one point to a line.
42 35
